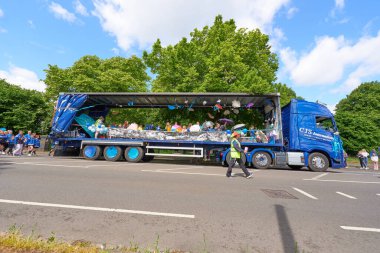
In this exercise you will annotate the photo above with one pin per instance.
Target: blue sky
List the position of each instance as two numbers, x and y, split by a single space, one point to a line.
326 48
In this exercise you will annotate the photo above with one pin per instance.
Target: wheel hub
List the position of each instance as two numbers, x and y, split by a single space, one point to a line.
261 160
318 162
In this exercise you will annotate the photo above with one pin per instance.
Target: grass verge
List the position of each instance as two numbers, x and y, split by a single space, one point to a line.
15 242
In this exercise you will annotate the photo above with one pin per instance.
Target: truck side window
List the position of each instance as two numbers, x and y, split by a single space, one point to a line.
324 123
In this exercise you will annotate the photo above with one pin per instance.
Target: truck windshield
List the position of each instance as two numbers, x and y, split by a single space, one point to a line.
325 123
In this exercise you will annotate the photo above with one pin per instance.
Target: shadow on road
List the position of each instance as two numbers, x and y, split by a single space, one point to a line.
287 237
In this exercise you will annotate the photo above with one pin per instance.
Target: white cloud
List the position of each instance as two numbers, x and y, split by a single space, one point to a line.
25 78
3 30
276 37
61 13
1 13
291 12
332 108
339 4
115 50
31 24
135 22
80 8
330 60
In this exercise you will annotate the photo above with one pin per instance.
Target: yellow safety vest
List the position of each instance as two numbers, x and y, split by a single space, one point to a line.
234 152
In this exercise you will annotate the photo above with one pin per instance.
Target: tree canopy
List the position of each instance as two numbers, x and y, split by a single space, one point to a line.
22 109
217 58
92 74
358 118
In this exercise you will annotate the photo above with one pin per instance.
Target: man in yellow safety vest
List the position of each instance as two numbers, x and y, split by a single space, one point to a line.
236 152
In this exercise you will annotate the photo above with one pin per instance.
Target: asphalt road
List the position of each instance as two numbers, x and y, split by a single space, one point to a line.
192 208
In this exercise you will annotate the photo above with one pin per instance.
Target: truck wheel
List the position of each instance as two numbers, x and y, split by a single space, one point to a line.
228 161
133 154
295 167
112 153
318 162
261 160
92 152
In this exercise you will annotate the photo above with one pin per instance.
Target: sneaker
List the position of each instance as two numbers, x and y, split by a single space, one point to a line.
29 154
249 176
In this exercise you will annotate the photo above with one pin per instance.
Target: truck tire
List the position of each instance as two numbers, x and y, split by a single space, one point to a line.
92 152
295 167
228 161
318 162
113 153
261 160
133 154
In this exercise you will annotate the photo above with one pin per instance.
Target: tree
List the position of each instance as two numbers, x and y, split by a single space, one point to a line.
286 93
358 118
216 58
92 74
22 109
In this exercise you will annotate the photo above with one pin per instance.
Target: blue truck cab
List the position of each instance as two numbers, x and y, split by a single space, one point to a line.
310 133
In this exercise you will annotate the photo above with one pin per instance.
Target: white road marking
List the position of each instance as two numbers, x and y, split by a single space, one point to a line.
319 176
52 165
77 166
305 193
187 173
378 194
346 195
361 229
102 209
163 170
343 181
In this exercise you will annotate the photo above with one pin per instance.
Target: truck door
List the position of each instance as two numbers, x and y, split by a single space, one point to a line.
325 132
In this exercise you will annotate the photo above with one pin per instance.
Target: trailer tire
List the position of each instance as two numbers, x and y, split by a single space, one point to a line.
295 167
112 153
318 162
261 160
134 154
228 159
92 152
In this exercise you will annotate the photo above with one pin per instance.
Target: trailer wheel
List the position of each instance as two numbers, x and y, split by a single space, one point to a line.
134 154
295 167
112 153
318 162
261 160
228 160
92 152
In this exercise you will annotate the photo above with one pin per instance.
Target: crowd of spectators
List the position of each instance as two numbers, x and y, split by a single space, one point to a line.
19 144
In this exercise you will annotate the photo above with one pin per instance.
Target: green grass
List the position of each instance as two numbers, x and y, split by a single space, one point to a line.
15 242
353 160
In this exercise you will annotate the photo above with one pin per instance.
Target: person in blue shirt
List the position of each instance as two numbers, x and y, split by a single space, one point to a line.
10 141
19 142
26 141
3 142
36 144
30 143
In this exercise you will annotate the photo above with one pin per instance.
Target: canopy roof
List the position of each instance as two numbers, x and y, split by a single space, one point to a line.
163 100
